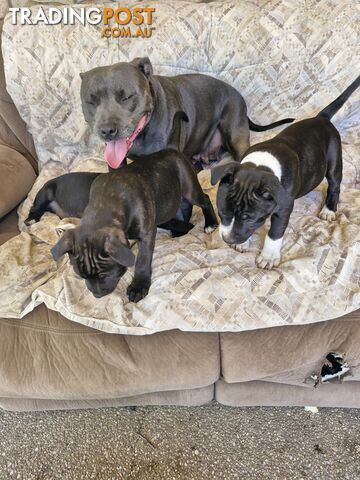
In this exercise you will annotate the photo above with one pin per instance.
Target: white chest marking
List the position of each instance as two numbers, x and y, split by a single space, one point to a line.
225 230
264 159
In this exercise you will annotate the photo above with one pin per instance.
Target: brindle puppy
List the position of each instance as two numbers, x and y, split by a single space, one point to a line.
128 204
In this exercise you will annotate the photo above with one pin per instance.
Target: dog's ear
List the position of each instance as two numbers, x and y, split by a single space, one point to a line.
271 189
223 170
177 137
116 249
144 65
180 115
64 245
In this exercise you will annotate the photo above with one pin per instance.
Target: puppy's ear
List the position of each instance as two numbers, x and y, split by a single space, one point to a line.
144 65
116 249
64 245
271 189
223 170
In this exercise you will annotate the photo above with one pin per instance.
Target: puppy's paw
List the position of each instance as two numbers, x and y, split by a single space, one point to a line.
30 221
327 214
136 291
210 228
240 247
270 255
267 261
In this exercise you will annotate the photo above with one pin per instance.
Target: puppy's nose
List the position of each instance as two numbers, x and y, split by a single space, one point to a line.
99 294
108 132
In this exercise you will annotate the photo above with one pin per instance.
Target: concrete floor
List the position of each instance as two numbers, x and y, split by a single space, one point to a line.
201 443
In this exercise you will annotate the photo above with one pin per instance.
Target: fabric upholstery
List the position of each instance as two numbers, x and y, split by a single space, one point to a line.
291 354
16 179
273 394
8 226
13 130
46 356
193 396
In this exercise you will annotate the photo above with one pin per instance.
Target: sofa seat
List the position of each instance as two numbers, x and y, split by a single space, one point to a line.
261 393
44 358
291 354
277 364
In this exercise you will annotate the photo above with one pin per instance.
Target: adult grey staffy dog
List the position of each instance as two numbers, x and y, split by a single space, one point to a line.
274 173
129 204
131 110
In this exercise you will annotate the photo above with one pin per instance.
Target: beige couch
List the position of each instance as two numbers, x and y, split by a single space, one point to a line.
49 362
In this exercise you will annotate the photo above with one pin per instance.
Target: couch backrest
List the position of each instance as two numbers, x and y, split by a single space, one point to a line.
286 58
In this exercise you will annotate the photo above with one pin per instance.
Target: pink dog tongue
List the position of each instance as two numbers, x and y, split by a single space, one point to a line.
116 150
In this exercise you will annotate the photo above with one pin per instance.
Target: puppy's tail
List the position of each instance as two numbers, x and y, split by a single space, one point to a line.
261 128
330 110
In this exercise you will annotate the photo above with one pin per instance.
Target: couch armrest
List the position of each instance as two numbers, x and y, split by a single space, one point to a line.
16 178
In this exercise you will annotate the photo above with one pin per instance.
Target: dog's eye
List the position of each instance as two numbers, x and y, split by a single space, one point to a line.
92 100
125 99
244 216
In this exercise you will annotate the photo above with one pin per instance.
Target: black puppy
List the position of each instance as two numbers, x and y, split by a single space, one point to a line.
129 204
66 196
274 173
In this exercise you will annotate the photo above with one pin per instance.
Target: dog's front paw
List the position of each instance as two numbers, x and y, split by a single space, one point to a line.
267 261
210 228
240 247
270 255
327 214
136 291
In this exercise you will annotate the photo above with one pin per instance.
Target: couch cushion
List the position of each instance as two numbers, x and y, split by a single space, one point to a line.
45 356
289 354
249 394
189 397
8 226
16 178
13 130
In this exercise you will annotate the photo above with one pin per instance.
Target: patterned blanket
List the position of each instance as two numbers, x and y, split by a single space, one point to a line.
287 59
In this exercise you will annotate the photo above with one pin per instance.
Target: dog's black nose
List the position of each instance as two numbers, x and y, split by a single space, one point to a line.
108 132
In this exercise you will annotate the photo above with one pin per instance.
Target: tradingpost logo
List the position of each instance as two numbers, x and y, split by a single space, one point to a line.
125 22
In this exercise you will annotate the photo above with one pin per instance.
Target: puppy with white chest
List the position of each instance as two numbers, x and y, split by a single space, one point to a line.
272 174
